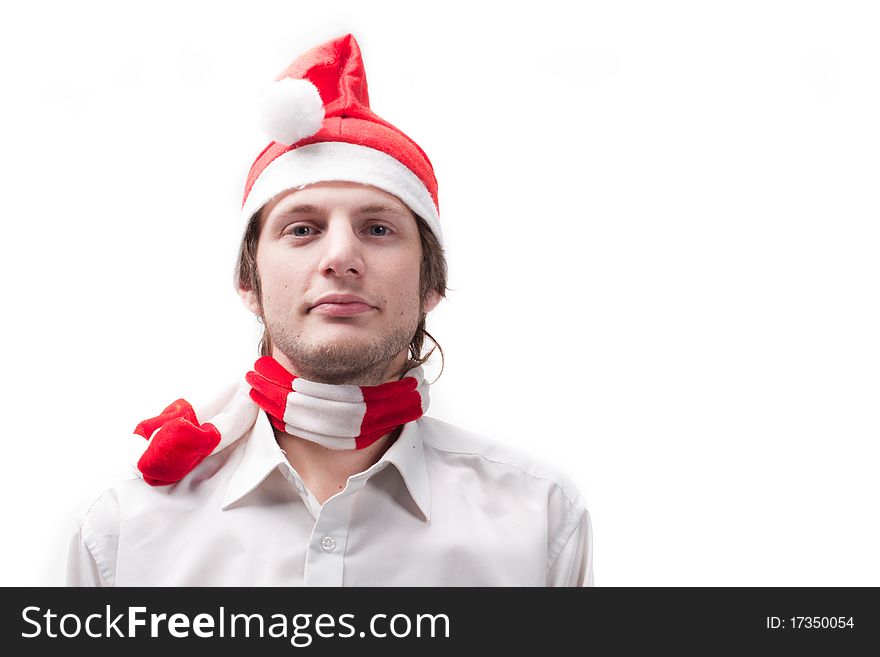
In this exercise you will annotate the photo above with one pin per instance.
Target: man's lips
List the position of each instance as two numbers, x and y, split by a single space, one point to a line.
341 305
341 309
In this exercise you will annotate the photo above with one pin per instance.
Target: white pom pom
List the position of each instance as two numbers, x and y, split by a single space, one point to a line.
291 110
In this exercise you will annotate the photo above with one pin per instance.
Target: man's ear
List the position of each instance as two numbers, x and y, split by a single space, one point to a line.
431 302
250 301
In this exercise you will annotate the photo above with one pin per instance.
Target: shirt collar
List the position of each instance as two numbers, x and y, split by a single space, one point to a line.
262 455
407 454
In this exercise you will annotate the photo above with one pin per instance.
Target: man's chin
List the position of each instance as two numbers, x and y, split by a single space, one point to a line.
339 361
345 349
351 353
341 339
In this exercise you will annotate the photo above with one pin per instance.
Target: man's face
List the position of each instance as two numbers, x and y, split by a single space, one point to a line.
339 265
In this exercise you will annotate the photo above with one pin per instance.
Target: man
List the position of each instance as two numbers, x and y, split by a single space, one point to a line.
319 469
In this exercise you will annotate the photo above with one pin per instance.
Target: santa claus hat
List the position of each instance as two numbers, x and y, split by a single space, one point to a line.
318 114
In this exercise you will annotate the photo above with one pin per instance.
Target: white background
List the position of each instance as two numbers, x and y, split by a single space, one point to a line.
663 238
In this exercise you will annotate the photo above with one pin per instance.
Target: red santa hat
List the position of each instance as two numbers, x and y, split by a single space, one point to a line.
318 114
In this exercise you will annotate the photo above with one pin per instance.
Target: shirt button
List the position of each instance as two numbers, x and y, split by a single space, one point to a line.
328 544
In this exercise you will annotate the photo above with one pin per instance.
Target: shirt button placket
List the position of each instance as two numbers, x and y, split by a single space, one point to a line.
326 552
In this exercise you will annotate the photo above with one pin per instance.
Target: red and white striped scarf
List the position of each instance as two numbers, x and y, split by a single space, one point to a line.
336 416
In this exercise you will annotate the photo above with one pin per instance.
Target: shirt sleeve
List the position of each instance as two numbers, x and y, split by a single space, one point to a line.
82 568
574 564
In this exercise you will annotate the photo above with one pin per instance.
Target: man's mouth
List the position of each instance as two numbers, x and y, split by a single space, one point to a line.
341 305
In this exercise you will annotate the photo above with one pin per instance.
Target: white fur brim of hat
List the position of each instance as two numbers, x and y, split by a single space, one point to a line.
329 161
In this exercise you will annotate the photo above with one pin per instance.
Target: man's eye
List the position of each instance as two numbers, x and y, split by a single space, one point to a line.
378 230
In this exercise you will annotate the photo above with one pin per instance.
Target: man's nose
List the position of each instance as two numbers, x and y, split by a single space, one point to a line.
342 252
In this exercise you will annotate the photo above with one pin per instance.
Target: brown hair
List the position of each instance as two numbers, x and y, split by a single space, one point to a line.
432 277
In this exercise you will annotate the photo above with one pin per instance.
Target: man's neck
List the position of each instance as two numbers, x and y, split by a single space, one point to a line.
325 471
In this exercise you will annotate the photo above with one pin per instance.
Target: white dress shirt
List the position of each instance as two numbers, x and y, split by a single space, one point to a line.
453 509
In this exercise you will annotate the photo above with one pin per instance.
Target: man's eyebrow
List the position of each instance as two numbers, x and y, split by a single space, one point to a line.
308 208
375 208
302 208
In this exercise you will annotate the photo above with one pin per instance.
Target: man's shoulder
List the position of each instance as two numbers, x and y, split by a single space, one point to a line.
458 447
123 486
99 494
123 493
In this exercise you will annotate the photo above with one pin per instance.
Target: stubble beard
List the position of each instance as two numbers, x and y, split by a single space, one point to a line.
344 361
